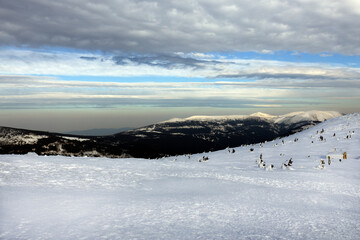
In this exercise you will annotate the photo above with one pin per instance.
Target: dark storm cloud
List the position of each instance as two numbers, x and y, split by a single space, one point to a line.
166 61
167 26
88 58
349 77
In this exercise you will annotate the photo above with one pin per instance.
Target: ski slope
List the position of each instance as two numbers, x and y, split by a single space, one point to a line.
226 197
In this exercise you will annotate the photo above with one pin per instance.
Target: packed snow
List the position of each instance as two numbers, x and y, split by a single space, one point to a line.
219 195
75 138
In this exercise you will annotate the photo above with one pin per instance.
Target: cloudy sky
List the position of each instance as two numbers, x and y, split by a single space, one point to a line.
72 65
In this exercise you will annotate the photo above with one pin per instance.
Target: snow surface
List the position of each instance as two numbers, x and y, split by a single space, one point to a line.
75 138
318 116
226 197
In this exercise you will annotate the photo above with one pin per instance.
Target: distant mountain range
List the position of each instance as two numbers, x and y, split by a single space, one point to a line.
98 131
174 137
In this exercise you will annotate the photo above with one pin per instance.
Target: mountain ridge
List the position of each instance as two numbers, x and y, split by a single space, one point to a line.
313 115
98 131
194 135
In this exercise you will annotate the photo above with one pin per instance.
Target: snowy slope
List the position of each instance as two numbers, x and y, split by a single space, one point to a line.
226 197
317 116
18 137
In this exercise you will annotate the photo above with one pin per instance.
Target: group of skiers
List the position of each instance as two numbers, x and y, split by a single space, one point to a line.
261 163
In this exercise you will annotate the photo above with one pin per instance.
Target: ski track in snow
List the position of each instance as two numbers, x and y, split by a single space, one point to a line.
227 197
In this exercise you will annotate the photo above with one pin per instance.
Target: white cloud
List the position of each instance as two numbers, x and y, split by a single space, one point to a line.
265 51
326 55
42 92
267 105
257 83
29 62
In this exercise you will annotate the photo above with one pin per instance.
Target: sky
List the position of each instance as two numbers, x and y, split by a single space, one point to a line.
74 65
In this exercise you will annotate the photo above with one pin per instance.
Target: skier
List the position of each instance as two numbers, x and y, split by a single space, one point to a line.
290 162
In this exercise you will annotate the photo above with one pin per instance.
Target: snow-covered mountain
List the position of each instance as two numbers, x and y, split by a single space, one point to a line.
295 117
209 133
314 116
226 194
176 136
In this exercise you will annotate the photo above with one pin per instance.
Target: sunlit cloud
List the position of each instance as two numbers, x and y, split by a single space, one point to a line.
32 91
268 106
